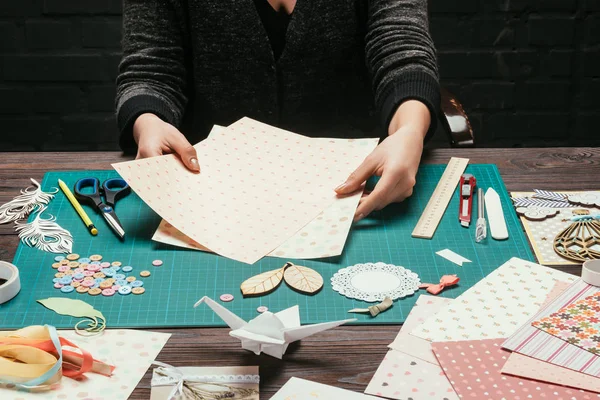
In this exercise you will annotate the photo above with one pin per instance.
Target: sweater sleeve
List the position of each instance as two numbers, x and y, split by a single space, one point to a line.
152 73
401 57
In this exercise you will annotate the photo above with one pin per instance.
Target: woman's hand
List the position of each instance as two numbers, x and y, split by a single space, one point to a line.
155 137
395 160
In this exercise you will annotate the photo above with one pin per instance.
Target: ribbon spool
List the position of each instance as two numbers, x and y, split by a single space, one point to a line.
12 285
590 272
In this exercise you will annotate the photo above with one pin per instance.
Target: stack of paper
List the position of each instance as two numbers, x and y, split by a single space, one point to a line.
258 188
467 337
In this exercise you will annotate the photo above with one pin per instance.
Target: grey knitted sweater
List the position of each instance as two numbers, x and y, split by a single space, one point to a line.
346 66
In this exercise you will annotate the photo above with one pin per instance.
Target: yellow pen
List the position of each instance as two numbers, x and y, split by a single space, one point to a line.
86 220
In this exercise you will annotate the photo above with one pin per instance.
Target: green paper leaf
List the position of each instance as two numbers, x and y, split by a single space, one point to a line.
75 308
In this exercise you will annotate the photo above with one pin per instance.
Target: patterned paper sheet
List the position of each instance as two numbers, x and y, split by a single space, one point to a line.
401 376
496 306
531 368
577 324
473 367
410 369
540 345
425 307
258 186
324 236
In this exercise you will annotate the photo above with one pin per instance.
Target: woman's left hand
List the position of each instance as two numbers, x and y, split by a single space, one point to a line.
396 161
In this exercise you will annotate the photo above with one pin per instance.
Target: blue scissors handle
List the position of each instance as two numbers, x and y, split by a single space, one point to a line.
113 189
92 198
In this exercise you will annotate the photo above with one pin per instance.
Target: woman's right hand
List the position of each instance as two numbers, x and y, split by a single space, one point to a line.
155 137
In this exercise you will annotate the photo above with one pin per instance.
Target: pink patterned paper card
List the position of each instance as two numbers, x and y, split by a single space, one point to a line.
557 290
540 345
530 368
401 376
258 186
473 368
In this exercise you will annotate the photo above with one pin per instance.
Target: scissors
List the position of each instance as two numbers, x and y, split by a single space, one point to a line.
112 189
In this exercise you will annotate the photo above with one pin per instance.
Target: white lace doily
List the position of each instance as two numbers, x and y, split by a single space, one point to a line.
373 282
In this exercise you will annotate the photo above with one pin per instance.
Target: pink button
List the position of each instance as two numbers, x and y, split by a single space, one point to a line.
226 297
78 271
63 268
94 267
58 285
87 283
262 309
116 287
158 263
104 265
88 273
108 292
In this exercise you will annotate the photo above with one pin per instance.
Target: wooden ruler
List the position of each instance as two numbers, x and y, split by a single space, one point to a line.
433 213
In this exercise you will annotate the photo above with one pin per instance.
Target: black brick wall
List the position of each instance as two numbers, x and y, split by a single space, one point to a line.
526 71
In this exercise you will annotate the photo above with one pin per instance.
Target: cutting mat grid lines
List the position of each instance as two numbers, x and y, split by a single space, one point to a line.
187 275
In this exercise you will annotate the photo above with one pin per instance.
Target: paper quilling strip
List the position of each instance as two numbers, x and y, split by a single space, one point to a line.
29 199
45 234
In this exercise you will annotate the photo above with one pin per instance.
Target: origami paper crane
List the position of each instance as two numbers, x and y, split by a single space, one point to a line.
268 333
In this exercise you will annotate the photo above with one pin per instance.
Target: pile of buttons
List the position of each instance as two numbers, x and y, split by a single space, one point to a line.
92 276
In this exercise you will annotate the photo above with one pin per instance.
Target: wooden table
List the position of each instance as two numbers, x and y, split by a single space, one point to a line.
347 356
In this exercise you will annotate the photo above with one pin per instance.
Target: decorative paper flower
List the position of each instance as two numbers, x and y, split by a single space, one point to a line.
587 199
537 213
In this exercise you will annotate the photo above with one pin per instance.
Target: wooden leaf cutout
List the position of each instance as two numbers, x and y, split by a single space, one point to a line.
263 283
303 279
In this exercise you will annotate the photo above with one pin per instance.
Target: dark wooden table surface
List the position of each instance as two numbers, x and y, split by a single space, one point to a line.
347 356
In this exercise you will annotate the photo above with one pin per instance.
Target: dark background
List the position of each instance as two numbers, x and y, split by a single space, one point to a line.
526 71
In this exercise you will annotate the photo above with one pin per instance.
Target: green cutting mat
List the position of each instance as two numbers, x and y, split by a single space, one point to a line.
188 275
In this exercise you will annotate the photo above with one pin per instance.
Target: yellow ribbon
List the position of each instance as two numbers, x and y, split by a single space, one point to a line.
33 357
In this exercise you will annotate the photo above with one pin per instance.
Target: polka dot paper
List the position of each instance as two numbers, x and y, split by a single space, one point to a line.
258 186
401 376
496 306
130 351
324 236
473 368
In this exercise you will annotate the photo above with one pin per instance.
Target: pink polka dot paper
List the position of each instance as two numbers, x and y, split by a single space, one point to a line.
474 370
258 186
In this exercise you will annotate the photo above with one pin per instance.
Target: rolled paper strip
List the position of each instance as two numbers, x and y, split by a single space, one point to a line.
375 309
446 280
